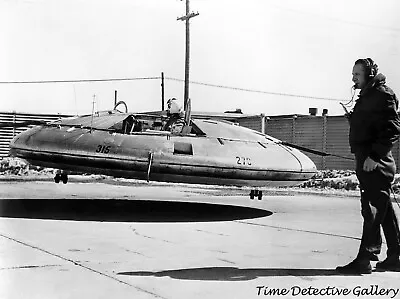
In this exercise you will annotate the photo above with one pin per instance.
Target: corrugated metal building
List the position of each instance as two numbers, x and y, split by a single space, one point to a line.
12 124
322 133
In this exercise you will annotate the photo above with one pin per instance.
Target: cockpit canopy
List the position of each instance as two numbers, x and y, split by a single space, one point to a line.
127 123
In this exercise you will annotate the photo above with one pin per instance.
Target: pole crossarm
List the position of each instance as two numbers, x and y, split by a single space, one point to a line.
187 17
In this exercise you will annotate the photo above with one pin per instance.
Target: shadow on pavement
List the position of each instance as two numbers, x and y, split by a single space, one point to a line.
233 274
115 210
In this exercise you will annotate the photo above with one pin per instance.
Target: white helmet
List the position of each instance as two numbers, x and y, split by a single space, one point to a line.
173 107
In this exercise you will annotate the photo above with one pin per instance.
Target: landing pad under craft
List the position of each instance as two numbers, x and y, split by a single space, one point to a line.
101 240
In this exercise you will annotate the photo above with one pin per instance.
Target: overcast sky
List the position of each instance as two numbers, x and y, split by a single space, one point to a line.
296 47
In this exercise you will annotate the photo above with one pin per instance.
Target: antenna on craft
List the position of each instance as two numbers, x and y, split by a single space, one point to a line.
76 105
93 102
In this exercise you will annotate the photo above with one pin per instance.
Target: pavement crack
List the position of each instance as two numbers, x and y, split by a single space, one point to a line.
218 251
82 266
296 230
29 267
227 261
135 252
151 238
211 233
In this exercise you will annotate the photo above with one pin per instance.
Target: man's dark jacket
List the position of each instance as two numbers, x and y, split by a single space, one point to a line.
374 122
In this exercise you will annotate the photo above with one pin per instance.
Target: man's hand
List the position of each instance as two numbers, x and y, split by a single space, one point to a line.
369 164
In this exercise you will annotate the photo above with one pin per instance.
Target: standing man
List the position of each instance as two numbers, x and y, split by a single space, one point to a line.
374 128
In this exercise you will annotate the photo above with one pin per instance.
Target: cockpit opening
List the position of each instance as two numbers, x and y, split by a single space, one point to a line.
134 124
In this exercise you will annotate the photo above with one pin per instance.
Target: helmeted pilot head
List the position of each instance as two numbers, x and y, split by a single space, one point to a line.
173 107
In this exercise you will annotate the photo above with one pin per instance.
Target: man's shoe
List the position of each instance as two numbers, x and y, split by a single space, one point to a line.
391 263
357 266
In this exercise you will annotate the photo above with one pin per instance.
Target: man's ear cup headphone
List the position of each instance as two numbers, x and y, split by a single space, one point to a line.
371 67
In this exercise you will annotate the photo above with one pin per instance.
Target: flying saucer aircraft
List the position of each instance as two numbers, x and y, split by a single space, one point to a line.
161 148
173 148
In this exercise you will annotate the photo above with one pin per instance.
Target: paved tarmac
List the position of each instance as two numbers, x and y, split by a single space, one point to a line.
93 239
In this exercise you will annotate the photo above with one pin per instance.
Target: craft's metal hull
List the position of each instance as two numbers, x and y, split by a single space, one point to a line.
162 157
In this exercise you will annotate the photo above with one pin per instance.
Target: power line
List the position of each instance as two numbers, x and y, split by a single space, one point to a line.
172 79
79 80
256 91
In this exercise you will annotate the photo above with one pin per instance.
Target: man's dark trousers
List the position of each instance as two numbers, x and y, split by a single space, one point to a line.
376 207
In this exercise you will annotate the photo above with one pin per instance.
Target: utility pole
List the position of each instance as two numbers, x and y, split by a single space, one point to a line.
162 91
186 18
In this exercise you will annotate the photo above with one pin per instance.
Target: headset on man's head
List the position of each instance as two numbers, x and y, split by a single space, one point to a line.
371 68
